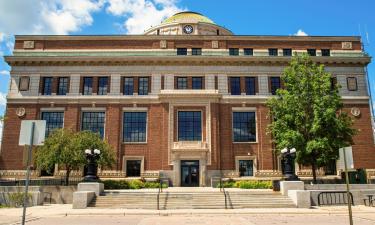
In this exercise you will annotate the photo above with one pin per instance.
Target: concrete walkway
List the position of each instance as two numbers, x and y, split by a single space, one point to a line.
50 213
191 190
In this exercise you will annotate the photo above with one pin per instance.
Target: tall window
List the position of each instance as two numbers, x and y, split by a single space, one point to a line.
287 52
275 83
235 86
234 51
62 88
181 51
197 82
134 126
87 85
246 168
244 127
248 51
143 86
250 85
189 126
47 86
272 52
326 52
182 83
133 168
311 52
94 122
196 51
128 85
103 85
54 120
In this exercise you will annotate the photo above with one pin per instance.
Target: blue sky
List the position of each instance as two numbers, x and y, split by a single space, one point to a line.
245 17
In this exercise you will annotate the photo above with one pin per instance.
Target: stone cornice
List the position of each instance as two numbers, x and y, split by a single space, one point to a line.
175 60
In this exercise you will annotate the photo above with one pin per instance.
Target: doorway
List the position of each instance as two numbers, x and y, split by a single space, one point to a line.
190 173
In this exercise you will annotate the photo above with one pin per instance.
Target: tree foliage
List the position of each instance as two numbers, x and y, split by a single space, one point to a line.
307 114
67 149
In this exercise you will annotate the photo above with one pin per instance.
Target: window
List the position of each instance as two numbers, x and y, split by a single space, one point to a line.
189 126
182 83
181 51
272 52
47 86
248 51
246 168
133 168
197 82
87 85
94 122
326 52
134 124
250 85
128 86
311 52
234 51
62 88
330 168
235 86
102 85
351 83
287 52
54 120
275 83
196 51
244 127
143 86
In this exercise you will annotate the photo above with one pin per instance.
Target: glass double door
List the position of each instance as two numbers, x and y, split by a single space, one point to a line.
190 173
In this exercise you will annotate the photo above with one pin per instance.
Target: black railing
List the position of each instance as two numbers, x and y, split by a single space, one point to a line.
41 182
222 189
161 181
334 198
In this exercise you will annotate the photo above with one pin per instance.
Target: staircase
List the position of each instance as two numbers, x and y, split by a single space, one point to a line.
196 199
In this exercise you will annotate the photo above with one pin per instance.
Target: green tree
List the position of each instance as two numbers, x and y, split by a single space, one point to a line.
67 149
307 114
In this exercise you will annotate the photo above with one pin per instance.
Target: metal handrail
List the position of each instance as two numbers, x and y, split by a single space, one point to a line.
225 194
334 198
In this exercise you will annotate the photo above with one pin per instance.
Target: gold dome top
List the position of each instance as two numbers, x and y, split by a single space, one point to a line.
190 17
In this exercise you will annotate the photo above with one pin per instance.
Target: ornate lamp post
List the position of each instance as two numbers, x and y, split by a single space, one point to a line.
288 160
92 166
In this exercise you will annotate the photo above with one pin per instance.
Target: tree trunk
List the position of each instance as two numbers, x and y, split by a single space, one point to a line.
67 176
313 167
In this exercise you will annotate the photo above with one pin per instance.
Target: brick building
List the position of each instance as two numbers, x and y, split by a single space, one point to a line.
184 99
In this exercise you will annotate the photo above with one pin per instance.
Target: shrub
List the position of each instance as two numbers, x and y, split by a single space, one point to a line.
250 184
136 184
227 184
16 199
115 184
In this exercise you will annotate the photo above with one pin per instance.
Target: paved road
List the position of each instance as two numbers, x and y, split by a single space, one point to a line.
207 220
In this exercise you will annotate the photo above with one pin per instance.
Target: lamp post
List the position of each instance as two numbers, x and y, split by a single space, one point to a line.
288 160
92 166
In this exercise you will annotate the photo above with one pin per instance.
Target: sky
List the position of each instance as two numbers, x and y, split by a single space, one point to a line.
242 17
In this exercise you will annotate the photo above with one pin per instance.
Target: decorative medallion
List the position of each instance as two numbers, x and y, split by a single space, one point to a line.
163 44
346 45
188 29
355 111
215 44
28 44
20 112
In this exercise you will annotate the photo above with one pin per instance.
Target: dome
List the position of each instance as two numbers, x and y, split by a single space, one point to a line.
187 17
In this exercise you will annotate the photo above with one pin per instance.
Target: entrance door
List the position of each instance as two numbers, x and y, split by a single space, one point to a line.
190 173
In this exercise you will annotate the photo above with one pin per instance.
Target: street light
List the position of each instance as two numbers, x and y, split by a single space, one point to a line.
288 161
92 167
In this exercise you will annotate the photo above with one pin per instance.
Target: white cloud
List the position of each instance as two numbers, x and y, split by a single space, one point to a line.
3 99
4 72
2 37
46 16
300 32
142 14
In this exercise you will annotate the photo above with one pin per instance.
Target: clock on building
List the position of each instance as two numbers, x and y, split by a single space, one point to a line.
188 29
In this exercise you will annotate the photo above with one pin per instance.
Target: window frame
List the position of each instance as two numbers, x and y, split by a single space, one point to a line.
250 158
325 51
244 110
94 110
127 158
178 125
136 110
50 87
231 87
181 51
287 52
52 110
123 86
186 82
234 51
201 82
248 50
271 52
100 90
59 85
270 83
196 51
139 86
311 50
84 86
255 85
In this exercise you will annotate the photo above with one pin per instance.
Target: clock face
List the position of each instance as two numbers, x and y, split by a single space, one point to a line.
188 29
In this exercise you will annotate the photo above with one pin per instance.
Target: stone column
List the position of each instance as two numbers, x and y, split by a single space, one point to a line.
203 172
176 173
74 84
115 84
